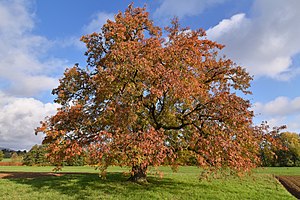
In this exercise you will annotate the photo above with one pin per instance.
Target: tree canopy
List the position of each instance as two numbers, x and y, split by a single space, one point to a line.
288 156
150 96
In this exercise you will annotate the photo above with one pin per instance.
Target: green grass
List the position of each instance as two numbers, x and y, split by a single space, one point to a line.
279 171
182 185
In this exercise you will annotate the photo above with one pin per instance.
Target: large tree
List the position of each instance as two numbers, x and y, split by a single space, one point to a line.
150 96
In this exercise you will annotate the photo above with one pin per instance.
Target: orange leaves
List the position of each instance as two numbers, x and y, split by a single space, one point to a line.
144 100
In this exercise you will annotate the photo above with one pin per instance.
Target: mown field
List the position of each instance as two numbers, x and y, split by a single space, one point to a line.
184 184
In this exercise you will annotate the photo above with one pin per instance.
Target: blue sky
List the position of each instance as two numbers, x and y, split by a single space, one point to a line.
39 39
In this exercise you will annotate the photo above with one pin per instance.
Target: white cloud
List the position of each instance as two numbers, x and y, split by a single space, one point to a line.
178 8
266 41
32 84
95 25
294 124
16 10
72 41
291 122
280 111
97 22
25 70
21 66
19 117
281 106
227 26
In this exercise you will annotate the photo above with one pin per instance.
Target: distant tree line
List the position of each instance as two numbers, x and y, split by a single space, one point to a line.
288 156
7 153
37 156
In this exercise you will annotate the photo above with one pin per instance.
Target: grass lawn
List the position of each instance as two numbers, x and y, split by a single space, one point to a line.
181 185
279 171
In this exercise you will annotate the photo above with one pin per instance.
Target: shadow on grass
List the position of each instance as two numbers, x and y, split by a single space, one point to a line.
115 185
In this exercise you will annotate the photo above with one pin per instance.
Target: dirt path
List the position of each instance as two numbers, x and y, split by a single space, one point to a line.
291 183
8 175
27 174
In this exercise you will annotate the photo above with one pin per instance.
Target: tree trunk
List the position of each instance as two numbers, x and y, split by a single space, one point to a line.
138 174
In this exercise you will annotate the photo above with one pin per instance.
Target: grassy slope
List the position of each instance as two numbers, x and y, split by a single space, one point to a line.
182 185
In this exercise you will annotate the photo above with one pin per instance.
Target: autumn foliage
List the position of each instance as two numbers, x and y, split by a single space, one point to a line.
286 153
150 96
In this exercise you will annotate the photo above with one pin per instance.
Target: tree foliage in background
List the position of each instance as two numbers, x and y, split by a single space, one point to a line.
36 156
7 153
288 156
15 157
145 98
1 155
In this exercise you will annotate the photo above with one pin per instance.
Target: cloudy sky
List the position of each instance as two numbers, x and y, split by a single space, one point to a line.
39 39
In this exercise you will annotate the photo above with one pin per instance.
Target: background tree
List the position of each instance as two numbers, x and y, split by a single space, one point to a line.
292 142
1 155
7 153
270 144
36 156
284 153
290 156
144 100
15 157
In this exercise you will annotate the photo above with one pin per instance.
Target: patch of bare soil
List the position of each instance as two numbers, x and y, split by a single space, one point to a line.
9 175
11 164
291 183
